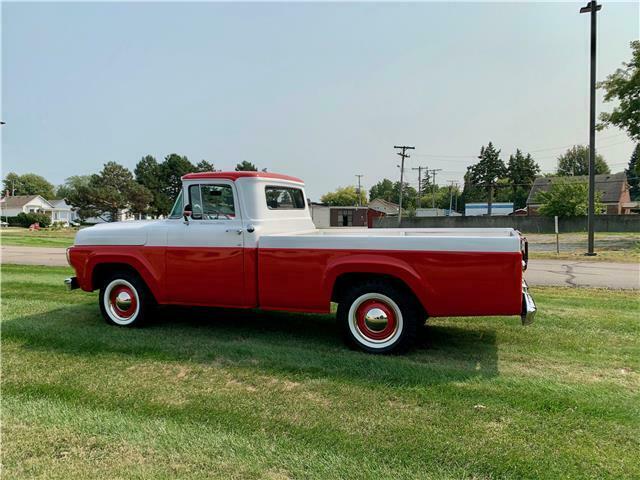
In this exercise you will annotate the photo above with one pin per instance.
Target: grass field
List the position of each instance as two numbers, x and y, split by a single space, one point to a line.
210 394
610 246
24 237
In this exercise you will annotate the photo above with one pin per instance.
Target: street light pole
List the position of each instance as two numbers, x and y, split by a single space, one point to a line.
592 8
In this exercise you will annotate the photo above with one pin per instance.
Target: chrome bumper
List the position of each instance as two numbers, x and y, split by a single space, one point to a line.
71 283
528 306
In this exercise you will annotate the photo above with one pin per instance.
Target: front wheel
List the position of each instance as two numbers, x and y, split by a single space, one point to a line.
378 317
124 300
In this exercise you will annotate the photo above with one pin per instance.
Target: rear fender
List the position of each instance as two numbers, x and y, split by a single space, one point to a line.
375 264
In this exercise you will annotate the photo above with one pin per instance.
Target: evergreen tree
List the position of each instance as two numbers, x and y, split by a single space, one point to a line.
633 172
487 171
521 172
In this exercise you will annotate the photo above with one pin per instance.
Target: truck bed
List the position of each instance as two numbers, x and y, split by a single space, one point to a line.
414 239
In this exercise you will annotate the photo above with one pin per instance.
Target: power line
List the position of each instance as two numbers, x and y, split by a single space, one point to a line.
559 147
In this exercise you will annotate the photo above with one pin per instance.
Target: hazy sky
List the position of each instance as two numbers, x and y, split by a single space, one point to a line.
322 91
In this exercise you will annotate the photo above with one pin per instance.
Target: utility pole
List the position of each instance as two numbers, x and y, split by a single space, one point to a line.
403 155
453 183
433 185
419 169
359 190
592 8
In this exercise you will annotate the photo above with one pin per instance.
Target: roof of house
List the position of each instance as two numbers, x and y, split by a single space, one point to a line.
19 201
60 204
610 185
236 175
382 203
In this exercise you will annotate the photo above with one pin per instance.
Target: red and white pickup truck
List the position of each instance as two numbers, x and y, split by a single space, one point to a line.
246 240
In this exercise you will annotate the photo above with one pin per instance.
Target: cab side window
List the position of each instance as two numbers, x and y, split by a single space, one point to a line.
212 202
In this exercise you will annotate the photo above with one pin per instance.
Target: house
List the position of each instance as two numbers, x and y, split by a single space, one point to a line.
613 188
63 213
10 206
325 216
379 208
498 209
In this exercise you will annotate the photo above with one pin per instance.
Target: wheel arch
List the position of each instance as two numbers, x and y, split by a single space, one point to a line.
99 268
344 274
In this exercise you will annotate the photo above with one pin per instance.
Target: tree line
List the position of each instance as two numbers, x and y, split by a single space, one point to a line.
150 189
489 180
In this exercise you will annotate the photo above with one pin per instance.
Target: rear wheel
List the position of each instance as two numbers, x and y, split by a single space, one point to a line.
378 317
124 300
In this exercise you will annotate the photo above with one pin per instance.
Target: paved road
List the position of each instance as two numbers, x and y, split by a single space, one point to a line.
34 256
570 273
541 272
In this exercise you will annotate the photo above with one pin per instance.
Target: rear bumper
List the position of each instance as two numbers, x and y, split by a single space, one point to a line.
528 305
71 283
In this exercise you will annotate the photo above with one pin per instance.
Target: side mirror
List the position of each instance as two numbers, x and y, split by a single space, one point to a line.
187 213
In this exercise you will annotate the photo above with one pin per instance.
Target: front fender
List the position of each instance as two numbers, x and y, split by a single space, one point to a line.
149 264
376 264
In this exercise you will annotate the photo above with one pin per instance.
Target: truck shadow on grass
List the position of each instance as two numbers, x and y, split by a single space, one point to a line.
304 345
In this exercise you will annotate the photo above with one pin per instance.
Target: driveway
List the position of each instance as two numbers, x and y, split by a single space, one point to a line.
565 273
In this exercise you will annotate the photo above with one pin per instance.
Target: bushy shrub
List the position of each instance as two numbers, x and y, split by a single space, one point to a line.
27 219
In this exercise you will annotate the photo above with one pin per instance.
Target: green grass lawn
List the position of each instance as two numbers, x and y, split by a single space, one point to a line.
610 246
17 236
210 394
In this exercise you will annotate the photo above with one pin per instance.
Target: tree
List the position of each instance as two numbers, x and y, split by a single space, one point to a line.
204 166
164 180
443 195
623 86
344 196
383 189
633 173
487 171
71 185
575 161
390 191
28 184
109 192
150 174
245 166
522 170
172 170
566 198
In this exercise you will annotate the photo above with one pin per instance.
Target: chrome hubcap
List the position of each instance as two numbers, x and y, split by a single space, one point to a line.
123 301
376 319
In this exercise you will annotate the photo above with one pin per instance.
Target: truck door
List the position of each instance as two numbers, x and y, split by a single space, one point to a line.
204 256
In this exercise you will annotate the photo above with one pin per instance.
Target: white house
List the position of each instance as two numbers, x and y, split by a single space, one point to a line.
12 206
62 212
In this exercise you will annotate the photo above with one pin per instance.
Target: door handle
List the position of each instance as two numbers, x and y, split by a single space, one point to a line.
236 230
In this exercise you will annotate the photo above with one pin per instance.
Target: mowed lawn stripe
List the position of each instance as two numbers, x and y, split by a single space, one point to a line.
207 393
